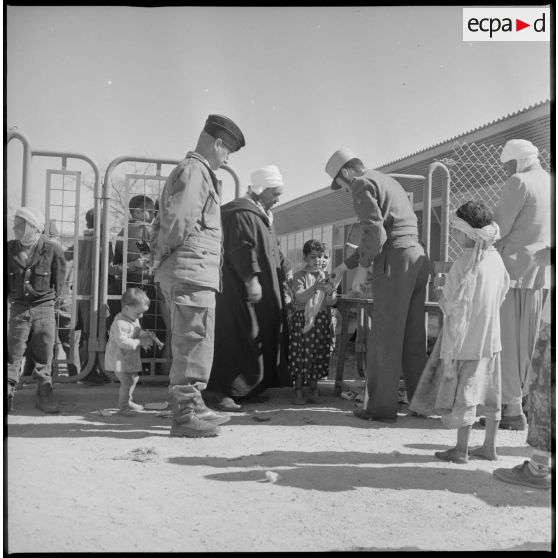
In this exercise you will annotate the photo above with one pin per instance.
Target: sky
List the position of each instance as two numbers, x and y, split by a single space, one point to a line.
300 82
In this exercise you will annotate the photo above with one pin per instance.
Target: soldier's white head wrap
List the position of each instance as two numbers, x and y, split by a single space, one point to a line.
264 178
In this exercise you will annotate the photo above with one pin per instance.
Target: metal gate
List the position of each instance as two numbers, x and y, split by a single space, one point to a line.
64 204
123 265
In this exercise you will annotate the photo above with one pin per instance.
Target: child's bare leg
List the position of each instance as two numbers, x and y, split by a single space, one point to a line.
458 454
132 404
128 383
488 449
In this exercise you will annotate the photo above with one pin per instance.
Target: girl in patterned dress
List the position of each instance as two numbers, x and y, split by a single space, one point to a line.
310 336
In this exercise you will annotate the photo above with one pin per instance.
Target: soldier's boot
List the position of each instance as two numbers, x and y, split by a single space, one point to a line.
185 422
206 414
45 398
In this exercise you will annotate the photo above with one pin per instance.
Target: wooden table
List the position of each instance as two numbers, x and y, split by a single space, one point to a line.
364 308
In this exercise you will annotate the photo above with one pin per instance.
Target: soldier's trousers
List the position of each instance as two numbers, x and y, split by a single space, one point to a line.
397 343
192 314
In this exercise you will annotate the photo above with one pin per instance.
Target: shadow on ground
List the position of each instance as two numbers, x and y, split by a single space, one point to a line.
526 546
81 404
342 471
503 451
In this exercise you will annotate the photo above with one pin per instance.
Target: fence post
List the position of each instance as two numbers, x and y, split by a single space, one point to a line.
444 225
26 169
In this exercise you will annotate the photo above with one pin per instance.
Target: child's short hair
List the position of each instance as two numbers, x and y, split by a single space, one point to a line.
90 218
134 297
476 213
313 244
141 202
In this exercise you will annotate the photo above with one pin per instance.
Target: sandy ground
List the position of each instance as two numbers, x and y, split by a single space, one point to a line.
84 482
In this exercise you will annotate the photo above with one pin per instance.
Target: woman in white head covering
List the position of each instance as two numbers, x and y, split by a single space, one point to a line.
523 214
36 273
462 376
250 320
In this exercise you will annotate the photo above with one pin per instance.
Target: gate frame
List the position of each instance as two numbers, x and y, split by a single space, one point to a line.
103 287
28 155
427 209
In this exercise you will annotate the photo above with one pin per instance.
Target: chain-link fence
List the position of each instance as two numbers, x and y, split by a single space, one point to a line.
477 174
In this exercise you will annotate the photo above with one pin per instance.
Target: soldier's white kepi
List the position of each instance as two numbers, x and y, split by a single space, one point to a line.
336 162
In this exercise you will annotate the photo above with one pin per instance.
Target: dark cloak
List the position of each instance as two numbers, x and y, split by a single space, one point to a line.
251 340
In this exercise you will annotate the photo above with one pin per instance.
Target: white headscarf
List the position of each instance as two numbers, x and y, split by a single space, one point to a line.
523 151
524 164
264 178
458 302
34 225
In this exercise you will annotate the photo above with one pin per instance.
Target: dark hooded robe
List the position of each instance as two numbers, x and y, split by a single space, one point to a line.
251 339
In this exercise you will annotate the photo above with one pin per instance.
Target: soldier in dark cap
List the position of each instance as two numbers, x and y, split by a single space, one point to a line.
186 250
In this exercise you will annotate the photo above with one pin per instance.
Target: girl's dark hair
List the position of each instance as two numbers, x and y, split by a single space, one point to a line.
476 213
90 218
313 244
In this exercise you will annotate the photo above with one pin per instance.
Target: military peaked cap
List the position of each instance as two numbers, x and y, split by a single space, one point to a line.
219 126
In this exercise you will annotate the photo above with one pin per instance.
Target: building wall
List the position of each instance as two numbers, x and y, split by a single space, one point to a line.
329 215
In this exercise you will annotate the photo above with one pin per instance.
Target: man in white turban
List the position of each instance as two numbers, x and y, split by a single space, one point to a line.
36 270
523 214
250 321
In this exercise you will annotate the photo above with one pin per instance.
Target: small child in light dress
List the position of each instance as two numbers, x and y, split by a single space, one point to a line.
462 377
122 355
310 334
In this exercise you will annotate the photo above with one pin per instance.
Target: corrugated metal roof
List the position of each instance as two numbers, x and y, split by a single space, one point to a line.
531 109
328 206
